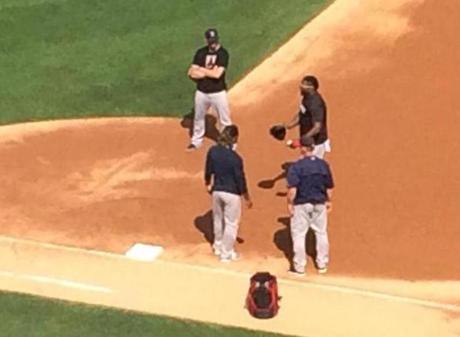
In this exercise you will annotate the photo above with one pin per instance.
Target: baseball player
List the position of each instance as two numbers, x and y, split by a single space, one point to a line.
310 186
225 168
208 71
312 117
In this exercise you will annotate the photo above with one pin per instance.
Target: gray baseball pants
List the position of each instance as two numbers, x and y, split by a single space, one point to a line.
315 217
226 212
219 102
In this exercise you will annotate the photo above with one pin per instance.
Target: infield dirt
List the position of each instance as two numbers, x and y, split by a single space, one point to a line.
388 71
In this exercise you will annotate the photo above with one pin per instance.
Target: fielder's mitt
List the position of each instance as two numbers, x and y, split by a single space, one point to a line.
278 131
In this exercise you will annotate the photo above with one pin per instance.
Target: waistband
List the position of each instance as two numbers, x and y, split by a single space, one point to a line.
313 202
212 93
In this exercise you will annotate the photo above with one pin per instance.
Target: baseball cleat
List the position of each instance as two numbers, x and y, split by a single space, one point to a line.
322 271
217 248
234 256
296 272
191 148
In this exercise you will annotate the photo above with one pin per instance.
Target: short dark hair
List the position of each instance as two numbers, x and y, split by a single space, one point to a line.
228 135
310 79
231 130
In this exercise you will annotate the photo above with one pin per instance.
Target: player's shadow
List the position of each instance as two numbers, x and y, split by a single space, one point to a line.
204 223
270 183
212 132
282 240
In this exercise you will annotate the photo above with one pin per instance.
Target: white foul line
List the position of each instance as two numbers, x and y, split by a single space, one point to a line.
13 240
6 273
334 288
59 282
306 283
380 295
67 283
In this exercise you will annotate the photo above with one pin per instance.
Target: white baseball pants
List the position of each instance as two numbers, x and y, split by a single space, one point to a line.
219 102
321 149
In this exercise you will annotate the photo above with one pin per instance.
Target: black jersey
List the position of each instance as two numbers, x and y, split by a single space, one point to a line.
313 109
208 59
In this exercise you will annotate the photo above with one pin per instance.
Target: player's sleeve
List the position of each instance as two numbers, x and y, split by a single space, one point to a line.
209 168
223 59
317 110
329 178
292 177
240 177
196 58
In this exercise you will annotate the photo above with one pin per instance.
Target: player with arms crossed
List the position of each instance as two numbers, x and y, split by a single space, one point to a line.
208 71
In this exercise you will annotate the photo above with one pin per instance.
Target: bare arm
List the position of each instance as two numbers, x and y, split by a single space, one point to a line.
240 178
314 130
292 191
195 72
329 200
208 173
329 194
293 122
215 72
248 200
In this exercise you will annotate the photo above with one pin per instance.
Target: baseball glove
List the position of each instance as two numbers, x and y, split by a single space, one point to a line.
278 132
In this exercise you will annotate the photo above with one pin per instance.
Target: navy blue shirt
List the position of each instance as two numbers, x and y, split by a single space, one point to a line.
226 166
312 177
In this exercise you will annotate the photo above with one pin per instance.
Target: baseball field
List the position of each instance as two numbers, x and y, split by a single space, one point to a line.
78 192
27 315
67 59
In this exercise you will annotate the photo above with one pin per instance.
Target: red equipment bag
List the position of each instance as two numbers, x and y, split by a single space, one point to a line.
262 299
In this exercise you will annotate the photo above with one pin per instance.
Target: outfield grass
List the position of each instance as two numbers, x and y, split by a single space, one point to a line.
30 316
74 58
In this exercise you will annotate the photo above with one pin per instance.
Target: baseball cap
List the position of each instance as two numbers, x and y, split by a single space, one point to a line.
211 35
307 141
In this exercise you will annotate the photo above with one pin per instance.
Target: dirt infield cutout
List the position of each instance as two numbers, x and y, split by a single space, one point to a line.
104 184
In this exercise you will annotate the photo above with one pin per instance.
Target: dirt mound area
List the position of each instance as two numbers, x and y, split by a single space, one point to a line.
388 71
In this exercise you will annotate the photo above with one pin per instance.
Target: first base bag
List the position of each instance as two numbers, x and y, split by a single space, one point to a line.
262 299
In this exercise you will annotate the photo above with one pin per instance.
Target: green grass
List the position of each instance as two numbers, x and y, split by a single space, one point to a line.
76 58
30 316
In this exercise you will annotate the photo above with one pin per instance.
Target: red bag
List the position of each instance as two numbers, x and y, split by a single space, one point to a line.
262 299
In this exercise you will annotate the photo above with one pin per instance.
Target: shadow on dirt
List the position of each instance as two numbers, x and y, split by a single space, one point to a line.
204 224
212 132
270 183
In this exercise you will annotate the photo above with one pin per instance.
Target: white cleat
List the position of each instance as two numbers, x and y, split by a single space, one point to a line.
234 256
322 271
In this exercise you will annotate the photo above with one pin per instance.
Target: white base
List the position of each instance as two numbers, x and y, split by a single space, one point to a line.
143 252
